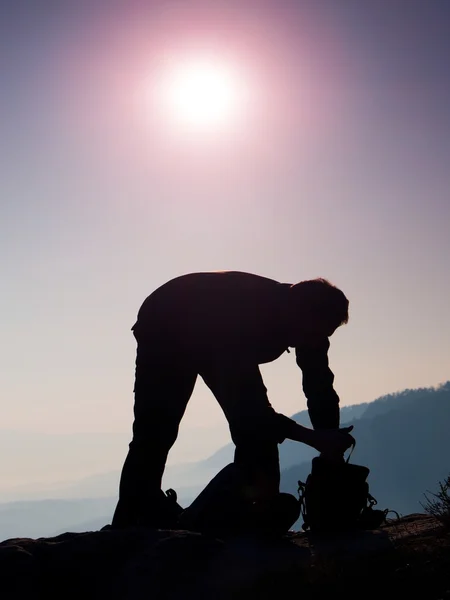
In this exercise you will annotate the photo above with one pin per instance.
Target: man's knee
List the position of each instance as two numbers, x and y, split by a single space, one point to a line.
261 429
256 441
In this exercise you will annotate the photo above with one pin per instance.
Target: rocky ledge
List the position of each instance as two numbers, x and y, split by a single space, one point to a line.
409 556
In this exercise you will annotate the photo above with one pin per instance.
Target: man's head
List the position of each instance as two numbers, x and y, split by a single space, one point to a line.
316 309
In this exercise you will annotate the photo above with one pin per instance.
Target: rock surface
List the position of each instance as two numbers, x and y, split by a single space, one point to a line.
135 564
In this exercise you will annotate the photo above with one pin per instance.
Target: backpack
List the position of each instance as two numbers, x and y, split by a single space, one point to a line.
336 498
222 509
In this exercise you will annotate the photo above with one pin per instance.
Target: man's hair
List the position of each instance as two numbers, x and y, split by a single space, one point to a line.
324 299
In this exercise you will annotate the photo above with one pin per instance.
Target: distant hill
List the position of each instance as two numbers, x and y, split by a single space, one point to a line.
404 439
48 517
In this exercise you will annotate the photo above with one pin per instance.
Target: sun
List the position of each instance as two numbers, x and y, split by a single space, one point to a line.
201 94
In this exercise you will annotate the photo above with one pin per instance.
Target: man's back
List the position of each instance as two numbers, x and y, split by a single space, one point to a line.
228 310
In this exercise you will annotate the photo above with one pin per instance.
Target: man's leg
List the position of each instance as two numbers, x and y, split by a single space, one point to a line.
241 393
164 383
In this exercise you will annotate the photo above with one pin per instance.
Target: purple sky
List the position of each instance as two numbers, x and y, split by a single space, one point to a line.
340 169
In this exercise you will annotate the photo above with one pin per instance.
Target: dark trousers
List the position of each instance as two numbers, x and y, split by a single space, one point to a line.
164 382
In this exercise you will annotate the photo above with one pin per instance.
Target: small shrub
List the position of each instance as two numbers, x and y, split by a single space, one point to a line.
438 504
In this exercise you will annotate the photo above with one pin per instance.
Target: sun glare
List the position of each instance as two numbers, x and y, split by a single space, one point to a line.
201 94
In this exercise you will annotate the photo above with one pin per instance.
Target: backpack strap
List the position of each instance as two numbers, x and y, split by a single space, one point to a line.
351 451
301 498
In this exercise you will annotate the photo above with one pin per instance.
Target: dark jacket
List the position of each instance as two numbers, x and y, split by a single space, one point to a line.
237 316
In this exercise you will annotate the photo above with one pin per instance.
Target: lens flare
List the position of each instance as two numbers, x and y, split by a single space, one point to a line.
201 94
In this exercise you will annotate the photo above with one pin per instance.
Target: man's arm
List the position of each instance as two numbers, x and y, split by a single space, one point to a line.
322 400
329 442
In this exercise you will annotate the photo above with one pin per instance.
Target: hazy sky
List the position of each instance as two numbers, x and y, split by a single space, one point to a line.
337 166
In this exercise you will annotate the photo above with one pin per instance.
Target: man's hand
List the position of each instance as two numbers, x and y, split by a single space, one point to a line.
332 443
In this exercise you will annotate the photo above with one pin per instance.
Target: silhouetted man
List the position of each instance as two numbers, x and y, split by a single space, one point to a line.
222 325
